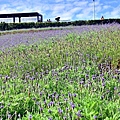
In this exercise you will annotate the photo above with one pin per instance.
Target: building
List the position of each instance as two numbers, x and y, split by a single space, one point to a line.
19 15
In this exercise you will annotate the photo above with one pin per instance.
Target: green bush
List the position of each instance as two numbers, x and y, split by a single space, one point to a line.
11 26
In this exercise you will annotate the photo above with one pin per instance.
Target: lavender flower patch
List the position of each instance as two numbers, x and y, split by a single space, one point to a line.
11 40
63 79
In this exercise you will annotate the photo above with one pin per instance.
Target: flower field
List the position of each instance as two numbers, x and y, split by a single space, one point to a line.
70 73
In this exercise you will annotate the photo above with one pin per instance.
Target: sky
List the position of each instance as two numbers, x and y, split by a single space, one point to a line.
68 10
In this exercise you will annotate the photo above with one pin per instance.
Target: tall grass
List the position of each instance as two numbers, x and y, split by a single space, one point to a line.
61 79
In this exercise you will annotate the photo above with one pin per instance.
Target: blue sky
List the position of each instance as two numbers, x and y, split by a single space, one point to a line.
66 9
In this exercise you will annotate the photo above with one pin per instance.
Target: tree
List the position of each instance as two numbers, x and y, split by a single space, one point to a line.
57 19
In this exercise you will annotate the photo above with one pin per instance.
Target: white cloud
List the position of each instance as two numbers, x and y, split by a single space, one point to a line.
85 14
80 3
111 2
59 0
106 7
116 12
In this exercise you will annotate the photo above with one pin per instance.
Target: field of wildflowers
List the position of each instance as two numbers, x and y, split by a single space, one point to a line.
68 73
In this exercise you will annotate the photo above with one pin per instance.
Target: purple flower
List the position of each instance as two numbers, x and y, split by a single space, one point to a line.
64 118
54 93
49 111
69 94
102 97
72 105
34 98
41 93
67 109
74 95
49 118
82 82
45 102
93 77
51 103
30 117
9 116
1 107
115 88
87 76
60 110
57 96
41 109
79 113
101 75
53 96
32 78
65 99
103 84
103 79
89 82
95 117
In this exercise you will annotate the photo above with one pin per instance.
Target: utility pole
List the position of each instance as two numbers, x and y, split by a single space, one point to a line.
94 9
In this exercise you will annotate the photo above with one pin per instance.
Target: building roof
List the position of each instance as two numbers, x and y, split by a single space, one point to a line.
31 14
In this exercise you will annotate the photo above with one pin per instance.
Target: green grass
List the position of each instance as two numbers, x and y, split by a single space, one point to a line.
65 72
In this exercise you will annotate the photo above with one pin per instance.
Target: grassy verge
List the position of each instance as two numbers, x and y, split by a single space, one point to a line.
32 30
